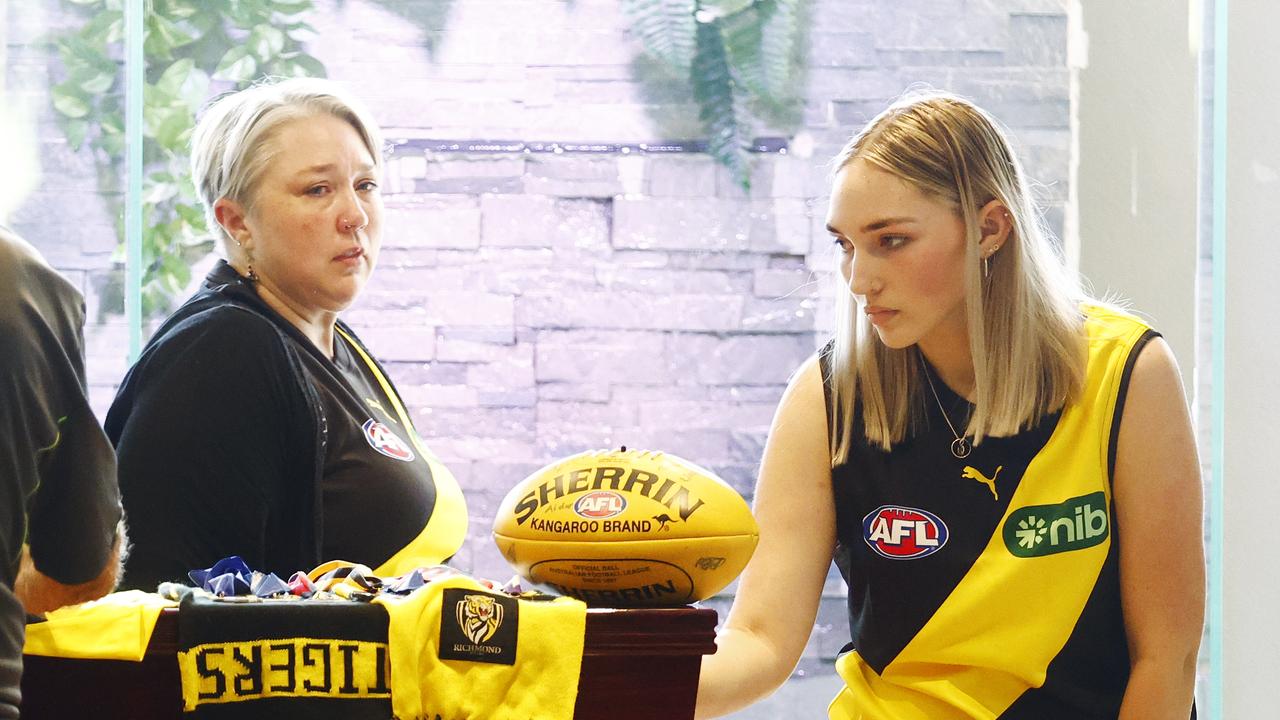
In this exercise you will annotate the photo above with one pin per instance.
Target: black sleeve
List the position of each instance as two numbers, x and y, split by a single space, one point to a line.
57 468
217 446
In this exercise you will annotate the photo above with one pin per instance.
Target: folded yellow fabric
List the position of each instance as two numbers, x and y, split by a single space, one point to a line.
462 652
116 627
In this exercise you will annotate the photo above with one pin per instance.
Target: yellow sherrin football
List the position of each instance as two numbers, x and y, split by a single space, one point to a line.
626 528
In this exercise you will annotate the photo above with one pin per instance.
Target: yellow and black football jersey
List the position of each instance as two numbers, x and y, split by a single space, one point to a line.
988 586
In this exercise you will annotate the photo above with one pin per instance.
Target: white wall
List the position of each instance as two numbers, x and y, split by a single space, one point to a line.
1137 220
1136 187
1251 376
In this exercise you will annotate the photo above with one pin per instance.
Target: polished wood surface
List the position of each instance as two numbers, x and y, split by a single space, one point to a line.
636 665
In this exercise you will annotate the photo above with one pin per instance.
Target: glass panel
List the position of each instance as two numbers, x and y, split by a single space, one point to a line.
65 194
1213 325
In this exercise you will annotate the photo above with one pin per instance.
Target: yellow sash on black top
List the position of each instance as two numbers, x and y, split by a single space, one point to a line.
995 635
447 527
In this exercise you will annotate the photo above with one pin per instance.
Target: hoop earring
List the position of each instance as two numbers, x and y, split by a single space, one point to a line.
986 260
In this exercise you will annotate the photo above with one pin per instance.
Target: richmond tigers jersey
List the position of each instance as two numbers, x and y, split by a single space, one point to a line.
988 587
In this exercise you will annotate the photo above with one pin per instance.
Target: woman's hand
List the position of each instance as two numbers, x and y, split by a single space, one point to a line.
777 599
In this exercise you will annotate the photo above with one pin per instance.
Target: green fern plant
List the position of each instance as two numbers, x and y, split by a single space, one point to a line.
191 47
741 58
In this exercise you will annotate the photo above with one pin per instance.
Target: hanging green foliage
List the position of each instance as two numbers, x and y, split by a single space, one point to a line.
186 56
741 58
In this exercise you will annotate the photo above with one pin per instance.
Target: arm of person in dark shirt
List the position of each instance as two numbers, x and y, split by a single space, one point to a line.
210 428
40 593
61 526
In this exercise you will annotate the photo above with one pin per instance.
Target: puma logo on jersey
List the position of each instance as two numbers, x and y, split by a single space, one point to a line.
974 473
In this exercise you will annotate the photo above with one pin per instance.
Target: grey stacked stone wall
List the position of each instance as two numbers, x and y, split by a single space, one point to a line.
535 304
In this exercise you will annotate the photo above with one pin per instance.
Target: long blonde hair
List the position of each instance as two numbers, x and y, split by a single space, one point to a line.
1025 324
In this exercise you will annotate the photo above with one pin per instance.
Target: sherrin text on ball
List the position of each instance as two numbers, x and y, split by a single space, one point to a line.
626 528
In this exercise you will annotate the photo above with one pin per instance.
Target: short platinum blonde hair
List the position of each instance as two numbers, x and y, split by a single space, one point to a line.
1025 322
229 148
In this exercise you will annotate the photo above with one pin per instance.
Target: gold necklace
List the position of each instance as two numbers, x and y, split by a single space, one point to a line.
960 447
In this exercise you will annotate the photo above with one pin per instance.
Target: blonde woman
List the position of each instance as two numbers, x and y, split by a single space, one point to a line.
1003 469
255 423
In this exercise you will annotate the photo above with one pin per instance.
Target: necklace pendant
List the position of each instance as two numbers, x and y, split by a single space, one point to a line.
960 448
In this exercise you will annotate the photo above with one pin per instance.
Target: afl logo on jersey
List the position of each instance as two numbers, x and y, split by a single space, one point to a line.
600 504
903 533
386 442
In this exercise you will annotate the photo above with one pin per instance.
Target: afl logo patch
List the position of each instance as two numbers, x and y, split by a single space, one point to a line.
386 442
903 533
600 504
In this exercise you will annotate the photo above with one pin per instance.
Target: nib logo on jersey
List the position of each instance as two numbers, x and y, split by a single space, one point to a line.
903 533
1075 524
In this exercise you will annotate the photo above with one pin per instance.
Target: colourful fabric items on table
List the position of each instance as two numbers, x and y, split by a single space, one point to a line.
232 576
432 645
116 627
462 652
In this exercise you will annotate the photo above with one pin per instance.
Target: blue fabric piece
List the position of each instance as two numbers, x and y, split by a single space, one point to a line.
268 585
232 576
406 584
233 565
227 584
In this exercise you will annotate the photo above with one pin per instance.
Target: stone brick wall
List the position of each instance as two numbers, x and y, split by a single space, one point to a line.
534 304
